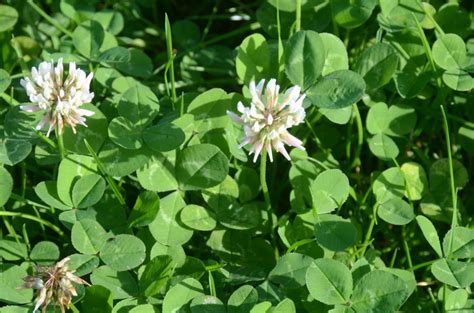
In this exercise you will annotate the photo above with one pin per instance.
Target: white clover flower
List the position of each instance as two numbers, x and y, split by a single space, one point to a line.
60 99
53 283
269 116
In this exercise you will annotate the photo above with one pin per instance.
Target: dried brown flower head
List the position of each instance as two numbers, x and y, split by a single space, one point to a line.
53 283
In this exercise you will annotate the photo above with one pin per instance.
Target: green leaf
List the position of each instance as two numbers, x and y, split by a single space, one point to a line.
223 195
13 151
6 186
389 184
396 211
304 58
416 180
329 190
163 137
339 116
463 242
176 252
145 209
97 299
88 236
180 294
70 170
383 147
158 174
88 38
44 252
125 134
87 191
449 52
140 64
334 232
377 65
83 264
156 274
197 217
5 79
456 300
329 281
336 54
253 59
377 119
430 233
139 105
290 270
242 300
165 228
454 273
8 17
372 295
248 183
337 90
285 306
120 162
122 284
351 14
207 304
240 216
123 252
13 249
440 170
48 193
201 166
11 277
115 55
458 80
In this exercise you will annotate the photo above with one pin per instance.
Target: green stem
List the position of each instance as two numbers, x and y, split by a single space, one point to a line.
108 178
407 252
212 285
298 16
454 221
298 244
427 48
60 143
33 218
360 135
266 196
169 49
48 18
370 230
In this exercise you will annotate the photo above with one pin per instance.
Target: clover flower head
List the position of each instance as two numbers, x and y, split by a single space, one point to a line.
270 115
53 282
61 99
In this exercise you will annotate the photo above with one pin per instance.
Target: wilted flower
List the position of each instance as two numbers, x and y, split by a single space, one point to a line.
269 116
60 99
53 282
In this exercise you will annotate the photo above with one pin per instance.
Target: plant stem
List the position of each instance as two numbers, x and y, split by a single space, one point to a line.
48 18
360 135
369 231
169 49
266 196
33 218
454 220
427 48
212 285
108 178
298 16
60 143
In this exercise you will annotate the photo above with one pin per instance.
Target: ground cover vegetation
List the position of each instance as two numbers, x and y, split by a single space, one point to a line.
236 156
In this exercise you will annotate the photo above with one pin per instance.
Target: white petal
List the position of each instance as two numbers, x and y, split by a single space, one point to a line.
30 108
84 112
234 117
